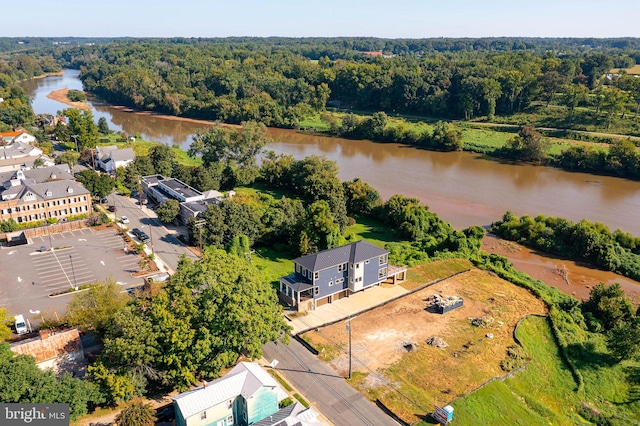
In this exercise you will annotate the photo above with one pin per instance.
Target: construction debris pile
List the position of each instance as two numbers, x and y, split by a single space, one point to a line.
444 305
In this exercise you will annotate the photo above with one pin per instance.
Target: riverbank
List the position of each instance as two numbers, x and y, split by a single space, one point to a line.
574 278
61 95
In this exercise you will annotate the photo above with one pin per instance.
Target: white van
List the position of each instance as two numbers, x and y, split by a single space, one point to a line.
21 326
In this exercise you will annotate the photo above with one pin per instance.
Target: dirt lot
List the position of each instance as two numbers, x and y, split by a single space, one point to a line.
390 341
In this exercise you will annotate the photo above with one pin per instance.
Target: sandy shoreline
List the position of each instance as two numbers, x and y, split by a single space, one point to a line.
61 96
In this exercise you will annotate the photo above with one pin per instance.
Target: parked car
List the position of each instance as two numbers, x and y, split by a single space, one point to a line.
140 235
104 200
124 219
112 208
21 326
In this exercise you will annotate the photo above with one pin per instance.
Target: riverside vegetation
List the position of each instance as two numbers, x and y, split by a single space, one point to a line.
303 204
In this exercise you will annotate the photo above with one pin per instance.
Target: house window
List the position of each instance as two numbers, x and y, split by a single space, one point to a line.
383 259
230 420
330 283
342 267
366 262
339 280
298 269
382 273
316 291
316 275
357 266
203 415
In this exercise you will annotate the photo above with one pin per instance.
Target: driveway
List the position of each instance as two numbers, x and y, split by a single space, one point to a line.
327 391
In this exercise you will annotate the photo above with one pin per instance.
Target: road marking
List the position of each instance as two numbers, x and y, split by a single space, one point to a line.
82 239
19 279
102 263
12 252
36 312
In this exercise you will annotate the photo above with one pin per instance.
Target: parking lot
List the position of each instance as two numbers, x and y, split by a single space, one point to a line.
31 273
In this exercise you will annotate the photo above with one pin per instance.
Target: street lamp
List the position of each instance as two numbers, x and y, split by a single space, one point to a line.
75 138
73 272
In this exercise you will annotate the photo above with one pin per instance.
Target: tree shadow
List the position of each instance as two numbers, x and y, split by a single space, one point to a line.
632 374
586 355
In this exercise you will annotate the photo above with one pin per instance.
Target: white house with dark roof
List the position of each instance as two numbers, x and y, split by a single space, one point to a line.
332 274
109 158
246 395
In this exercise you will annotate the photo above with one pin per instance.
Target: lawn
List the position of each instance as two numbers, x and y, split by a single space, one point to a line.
545 392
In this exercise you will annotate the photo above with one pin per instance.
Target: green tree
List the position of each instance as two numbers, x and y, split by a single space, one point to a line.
103 126
68 157
239 246
446 137
574 95
137 413
115 387
609 305
491 90
21 381
225 144
5 330
623 341
527 146
93 310
613 102
361 198
168 211
162 157
81 124
320 230
100 185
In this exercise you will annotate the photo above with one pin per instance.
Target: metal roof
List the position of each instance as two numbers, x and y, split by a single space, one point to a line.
350 253
292 281
244 379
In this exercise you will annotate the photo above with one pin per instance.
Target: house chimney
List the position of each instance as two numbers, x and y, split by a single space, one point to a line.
204 385
44 334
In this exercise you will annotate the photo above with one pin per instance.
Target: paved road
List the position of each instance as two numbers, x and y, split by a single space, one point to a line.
318 383
165 242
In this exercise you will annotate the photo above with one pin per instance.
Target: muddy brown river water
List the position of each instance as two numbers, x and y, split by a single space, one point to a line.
463 188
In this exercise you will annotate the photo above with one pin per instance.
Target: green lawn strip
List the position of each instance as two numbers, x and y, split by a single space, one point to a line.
301 400
280 380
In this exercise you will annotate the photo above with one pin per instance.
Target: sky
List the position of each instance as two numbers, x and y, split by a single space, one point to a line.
330 18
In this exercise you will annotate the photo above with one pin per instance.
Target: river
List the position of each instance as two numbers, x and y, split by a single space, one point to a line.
463 188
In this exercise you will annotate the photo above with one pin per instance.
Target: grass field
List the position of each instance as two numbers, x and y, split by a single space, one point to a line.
545 392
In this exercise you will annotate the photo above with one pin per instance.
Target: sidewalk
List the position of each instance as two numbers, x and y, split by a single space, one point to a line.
345 308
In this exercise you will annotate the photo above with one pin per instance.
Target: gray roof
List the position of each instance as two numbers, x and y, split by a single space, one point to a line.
350 253
18 150
293 415
180 187
244 379
292 281
58 189
124 154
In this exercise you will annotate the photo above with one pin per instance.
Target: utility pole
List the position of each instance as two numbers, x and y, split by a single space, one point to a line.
75 138
199 224
349 329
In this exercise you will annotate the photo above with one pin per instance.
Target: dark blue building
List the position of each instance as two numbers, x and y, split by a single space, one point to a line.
335 273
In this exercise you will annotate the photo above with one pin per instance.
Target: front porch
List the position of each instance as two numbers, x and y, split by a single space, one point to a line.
296 293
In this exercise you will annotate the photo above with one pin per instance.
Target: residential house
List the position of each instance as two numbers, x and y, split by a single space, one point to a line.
109 158
40 194
58 350
192 202
17 136
335 273
294 415
16 151
246 395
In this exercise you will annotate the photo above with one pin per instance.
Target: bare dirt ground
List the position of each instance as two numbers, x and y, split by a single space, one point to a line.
388 343
61 96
